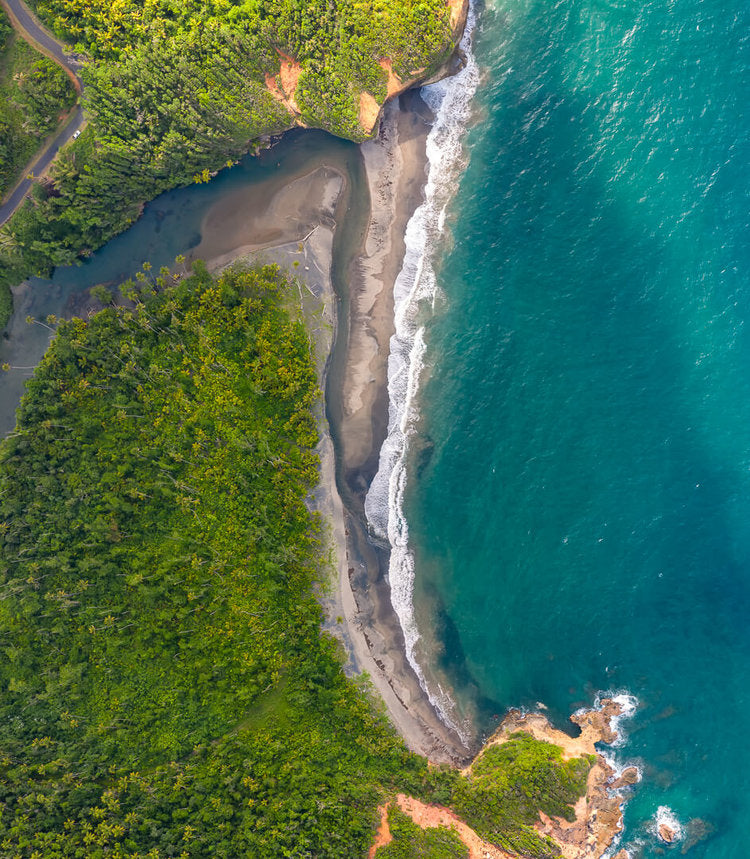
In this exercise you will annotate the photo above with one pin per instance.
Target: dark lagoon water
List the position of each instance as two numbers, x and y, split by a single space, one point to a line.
171 225
576 481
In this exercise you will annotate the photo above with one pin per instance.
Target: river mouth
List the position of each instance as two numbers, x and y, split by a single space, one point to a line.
179 222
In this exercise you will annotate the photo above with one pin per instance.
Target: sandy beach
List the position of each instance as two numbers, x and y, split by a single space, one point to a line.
346 290
358 410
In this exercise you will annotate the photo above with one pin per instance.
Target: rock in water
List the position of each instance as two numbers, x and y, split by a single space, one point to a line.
666 833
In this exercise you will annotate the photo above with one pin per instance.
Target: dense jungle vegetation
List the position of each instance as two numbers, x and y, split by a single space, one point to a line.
165 689
34 93
412 842
174 91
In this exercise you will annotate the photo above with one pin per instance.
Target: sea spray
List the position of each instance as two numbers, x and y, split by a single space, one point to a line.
415 287
666 825
628 704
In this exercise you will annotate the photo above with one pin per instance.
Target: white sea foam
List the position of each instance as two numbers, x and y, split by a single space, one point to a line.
414 293
666 817
616 846
628 705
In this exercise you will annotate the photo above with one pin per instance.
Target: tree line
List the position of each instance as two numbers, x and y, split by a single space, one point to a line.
173 90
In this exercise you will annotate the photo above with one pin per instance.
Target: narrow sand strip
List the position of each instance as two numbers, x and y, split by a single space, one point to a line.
295 225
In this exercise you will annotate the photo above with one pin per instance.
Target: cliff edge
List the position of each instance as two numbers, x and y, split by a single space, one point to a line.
283 85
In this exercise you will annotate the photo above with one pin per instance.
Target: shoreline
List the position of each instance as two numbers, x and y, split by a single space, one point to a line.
352 277
339 224
396 169
352 355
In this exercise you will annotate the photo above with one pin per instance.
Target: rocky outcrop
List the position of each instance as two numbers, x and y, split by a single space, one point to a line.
666 833
598 814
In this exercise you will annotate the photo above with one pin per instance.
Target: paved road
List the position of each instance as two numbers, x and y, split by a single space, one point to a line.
39 166
32 31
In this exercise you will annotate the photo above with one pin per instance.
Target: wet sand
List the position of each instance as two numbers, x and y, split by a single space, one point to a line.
350 268
396 172
358 411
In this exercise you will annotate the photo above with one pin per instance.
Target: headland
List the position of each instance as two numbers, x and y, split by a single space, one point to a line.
597 815
345 284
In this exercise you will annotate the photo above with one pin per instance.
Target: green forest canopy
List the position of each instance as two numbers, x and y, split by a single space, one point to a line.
175 90
165 689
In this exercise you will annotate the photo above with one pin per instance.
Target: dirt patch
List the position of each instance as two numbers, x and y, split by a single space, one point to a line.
288 77
394 83
289 74
272 85
369 111
383 835
430 816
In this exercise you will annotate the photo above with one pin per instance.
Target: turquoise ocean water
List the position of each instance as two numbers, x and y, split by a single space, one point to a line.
577 474
567 479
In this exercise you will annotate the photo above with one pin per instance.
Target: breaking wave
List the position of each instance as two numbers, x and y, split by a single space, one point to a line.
415 289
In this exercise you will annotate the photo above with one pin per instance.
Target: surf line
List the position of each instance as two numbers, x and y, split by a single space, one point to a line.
414 293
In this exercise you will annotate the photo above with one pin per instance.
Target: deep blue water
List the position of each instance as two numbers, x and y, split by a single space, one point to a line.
580 516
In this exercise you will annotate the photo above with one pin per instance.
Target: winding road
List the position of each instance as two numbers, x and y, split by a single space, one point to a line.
27 26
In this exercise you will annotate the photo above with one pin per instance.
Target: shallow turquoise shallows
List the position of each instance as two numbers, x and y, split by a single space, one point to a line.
583 520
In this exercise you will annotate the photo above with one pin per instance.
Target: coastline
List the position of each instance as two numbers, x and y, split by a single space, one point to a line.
357 400
352 350
595 822
360 299
598 813
350 278
346 241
